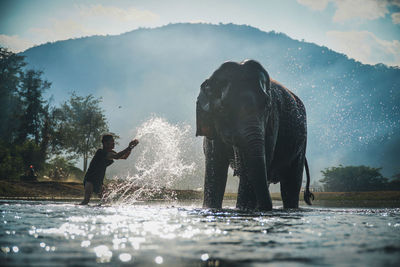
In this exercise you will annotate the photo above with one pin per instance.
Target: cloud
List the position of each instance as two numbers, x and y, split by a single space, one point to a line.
313 4
365 47
93 20
61 30
119 14
362 9
396 18
15 43
353 9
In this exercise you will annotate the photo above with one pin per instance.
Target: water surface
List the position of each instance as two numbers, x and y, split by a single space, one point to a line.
183 234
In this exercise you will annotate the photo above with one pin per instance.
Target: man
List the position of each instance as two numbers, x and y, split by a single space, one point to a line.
103 158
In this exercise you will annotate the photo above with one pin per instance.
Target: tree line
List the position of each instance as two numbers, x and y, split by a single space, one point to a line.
357 178
35 132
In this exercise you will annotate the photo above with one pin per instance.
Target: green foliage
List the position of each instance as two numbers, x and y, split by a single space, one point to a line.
80 125
15 159
353 178
24 116
30 154
394 184
61 168
11 163
10 71
34 109
30 129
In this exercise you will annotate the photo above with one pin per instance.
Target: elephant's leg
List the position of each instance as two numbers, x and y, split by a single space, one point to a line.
217 163
246 199
291 184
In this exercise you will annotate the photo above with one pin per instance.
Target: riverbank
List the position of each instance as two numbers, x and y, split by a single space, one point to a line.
50 190
40 190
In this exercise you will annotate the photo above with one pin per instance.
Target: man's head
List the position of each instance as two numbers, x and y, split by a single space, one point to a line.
108 142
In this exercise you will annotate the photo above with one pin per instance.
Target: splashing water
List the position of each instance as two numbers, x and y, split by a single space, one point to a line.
161 162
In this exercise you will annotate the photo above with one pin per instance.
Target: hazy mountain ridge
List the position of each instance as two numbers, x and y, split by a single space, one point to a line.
353 109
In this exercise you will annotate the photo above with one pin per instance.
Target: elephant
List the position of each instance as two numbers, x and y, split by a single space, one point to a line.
258 127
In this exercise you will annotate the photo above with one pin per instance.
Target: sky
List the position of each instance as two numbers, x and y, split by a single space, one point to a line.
366 30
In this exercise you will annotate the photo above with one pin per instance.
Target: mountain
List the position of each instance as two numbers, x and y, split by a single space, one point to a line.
353 109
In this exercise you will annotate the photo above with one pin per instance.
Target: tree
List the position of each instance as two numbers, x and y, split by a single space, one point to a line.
23 114
10 72
34 110
353 178
11 163
394 184
80 125
60 168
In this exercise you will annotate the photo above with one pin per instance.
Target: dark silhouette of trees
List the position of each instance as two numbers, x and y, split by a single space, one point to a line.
32 132
23 111
34 107
353 178
394 184
80 125
10 72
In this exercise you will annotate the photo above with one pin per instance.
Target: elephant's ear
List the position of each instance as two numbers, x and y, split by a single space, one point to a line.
265 86
204 121
254 67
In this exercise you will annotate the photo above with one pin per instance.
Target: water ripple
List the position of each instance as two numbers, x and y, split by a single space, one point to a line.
184 234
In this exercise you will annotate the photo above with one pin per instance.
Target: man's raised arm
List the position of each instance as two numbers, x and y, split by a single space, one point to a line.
124 154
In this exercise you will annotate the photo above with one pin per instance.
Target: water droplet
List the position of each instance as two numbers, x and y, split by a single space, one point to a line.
159 260
160 162
85 243
204 257
124 257
103 253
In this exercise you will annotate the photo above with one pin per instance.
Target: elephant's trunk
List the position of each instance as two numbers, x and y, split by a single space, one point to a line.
253 163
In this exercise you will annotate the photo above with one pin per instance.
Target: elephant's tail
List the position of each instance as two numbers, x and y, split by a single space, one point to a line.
308 196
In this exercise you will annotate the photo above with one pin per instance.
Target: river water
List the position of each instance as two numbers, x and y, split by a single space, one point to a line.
182 234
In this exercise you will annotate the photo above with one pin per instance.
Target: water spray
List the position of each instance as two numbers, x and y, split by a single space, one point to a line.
160 162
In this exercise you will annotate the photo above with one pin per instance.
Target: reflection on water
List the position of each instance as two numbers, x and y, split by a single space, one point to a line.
182 234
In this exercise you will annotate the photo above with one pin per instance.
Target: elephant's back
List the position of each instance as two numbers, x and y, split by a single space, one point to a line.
288 105
286 98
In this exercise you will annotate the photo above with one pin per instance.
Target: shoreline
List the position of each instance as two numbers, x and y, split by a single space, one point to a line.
73 191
